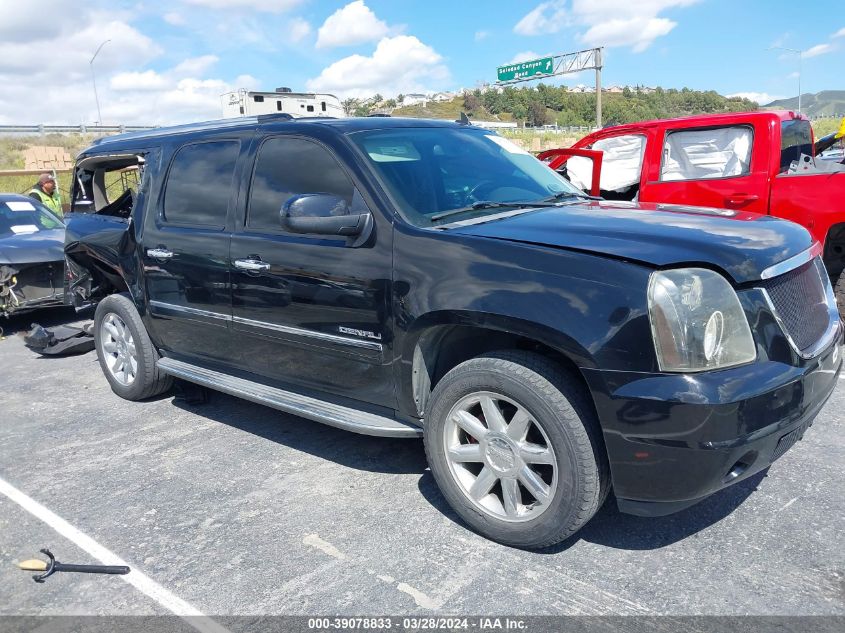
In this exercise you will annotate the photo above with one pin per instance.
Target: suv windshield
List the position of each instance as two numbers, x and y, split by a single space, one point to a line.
26 216
432 171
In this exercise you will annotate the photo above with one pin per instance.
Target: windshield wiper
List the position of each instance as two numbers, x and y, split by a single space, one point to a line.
568 195
489 204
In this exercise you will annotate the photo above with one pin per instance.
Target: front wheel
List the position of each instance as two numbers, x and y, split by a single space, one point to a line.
513 443
839 292
126 353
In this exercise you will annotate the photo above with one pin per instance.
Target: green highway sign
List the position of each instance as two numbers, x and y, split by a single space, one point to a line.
526 70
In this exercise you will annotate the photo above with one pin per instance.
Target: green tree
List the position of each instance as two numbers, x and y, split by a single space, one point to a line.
536 114
471 102
350 105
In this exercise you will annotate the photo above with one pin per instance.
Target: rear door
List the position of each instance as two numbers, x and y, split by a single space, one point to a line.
724 167
185 249
310 310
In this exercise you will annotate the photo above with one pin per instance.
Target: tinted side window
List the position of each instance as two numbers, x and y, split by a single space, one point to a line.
287 167
199 184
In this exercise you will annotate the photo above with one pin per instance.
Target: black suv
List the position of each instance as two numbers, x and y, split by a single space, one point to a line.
414 278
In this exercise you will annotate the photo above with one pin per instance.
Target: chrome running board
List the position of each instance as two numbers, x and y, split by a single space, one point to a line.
289 402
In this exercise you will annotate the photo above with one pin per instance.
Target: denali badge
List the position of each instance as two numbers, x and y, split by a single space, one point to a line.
361 333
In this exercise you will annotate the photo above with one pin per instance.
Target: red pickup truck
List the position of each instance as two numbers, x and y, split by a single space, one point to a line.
761 162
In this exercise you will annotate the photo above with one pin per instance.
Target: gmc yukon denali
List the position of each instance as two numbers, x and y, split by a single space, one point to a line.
410 278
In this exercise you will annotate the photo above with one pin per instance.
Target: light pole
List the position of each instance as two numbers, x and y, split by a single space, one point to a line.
94 81
799 53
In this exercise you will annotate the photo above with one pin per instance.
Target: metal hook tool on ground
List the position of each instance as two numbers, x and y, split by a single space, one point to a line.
51 567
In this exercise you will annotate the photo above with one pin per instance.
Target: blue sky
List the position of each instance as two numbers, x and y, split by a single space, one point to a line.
170 61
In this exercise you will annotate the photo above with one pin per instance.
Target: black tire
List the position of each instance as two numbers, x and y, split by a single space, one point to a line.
557 402
839 291
148 380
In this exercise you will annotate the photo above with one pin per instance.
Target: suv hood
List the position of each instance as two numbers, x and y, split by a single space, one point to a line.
661 235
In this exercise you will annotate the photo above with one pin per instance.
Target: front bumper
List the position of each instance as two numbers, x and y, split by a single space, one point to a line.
673 440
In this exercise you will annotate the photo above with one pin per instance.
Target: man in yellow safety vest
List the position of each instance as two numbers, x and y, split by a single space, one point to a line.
46 192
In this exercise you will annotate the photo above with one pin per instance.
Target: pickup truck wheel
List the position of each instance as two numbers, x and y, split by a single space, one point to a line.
514 445
839 291
126 353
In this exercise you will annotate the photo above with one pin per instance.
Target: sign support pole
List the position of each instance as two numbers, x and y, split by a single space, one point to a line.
598 87
557 65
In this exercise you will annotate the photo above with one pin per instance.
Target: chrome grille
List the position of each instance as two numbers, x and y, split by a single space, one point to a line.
799 298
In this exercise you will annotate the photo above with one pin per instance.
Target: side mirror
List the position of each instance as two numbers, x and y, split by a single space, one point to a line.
323 214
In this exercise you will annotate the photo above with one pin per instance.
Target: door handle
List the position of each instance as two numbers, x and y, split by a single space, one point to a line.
251 265
159 253
739 199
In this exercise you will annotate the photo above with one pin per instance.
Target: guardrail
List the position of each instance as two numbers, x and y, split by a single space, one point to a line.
69 129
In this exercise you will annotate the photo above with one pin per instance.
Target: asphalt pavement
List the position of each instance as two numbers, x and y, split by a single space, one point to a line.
237 509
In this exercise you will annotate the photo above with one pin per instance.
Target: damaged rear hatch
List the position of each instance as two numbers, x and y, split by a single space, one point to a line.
31 255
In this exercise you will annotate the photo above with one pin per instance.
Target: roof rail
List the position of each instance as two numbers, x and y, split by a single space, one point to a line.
274 116
379 114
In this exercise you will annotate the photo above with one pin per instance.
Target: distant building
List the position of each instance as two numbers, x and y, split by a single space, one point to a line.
439 97
415 98
297 104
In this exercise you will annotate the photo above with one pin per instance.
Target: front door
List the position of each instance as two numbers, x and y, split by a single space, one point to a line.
721 167
185 251
308 310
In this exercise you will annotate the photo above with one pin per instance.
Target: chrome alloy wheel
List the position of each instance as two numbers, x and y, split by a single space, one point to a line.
500 457
118 348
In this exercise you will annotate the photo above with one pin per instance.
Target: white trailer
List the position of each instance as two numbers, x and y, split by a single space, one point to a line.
297 104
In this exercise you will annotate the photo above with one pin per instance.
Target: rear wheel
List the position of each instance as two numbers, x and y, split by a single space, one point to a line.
515 448
126 353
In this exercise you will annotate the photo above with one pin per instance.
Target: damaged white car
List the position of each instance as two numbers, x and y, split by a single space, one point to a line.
31 255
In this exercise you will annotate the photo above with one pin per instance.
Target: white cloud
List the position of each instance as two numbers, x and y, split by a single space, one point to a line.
400 64
298 30
839 33
195 65
547 17
266 6
634 23
637 33
17 20
247 82
149 80
71 49
523 56
818 49
760 97
481 35
596 11
174 18
129 91
353 24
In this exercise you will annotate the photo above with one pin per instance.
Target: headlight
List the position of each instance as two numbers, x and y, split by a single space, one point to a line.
696 321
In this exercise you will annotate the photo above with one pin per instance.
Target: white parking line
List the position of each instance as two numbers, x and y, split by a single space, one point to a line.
137 579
